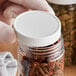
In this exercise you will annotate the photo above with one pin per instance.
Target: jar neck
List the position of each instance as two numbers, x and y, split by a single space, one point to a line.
47 53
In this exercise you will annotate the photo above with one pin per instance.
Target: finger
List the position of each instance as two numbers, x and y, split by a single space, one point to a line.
35 5
13 11
2 18
7 34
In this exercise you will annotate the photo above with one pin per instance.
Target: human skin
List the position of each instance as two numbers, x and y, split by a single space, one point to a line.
12 8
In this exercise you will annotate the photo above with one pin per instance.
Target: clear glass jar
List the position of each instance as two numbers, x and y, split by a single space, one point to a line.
42 61
41 48
67 14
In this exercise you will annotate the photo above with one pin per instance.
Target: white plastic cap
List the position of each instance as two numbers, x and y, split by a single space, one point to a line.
62 2
37 28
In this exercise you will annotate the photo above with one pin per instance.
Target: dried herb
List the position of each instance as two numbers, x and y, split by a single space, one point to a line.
34 68
67 15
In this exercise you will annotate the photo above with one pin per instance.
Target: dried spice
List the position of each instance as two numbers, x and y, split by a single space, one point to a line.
67 15
34 68
43 61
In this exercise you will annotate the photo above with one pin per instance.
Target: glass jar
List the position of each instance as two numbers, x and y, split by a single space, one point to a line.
66 11
42 61
41 48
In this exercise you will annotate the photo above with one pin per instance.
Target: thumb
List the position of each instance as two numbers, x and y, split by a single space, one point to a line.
35 5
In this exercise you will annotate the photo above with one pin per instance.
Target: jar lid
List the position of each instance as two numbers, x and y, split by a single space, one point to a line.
62 2
37 28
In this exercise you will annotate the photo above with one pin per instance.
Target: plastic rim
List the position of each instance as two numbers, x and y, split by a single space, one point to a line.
37 28
62 2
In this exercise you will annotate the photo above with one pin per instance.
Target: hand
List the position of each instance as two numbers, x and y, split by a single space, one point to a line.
12 8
